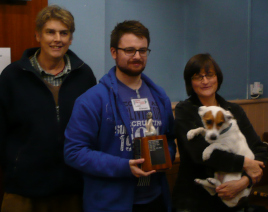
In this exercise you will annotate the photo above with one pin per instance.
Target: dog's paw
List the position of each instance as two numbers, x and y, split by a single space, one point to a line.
190 134
198 181
206 154
214 181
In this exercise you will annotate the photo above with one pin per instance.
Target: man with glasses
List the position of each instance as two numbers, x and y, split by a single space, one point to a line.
107 118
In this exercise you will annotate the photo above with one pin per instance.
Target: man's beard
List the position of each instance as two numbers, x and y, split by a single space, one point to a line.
130 72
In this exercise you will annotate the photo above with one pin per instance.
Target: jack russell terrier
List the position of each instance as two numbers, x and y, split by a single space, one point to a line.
221 132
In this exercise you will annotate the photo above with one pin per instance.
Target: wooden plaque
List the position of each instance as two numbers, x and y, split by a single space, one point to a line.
154 149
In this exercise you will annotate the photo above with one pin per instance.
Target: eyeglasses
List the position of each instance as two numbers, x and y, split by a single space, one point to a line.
131 51
199 77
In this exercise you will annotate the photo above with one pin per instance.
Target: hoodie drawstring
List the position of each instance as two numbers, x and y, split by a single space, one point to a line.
112 98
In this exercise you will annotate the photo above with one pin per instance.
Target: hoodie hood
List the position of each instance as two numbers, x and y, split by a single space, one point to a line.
110 82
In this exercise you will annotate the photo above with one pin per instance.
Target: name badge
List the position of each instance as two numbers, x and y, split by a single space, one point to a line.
140 104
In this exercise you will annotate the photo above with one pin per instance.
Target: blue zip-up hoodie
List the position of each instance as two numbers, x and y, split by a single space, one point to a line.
92 145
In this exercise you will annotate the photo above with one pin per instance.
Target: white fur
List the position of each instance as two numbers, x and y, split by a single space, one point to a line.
231 141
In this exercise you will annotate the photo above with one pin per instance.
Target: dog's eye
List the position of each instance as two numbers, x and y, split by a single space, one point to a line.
208 122
220 124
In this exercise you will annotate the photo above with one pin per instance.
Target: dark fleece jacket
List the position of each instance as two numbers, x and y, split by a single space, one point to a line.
187 194
31 137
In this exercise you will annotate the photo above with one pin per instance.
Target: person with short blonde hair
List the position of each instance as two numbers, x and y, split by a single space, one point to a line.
37 94
57 13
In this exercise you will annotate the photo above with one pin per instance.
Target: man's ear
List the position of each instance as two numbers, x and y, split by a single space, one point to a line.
37 36
113 52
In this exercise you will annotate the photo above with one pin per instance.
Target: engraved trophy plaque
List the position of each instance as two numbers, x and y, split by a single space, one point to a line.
153 148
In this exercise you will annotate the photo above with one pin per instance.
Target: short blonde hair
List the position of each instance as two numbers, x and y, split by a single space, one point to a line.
57 13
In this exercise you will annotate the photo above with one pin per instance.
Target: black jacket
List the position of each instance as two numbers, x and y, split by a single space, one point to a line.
187 194
31 138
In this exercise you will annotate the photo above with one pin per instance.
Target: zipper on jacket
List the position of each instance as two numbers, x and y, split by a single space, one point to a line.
17 160
58 113
57 106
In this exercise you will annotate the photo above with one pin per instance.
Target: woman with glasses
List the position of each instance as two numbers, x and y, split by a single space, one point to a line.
203 79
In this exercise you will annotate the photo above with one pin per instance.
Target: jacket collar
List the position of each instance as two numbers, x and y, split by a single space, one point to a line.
76 62
109 80
223 103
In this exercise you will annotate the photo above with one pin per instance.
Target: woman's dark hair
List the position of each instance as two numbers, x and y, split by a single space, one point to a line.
195 64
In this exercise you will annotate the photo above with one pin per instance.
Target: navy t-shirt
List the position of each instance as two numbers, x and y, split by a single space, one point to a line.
149 187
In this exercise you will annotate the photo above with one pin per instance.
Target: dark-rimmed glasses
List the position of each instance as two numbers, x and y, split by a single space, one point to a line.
199 77
132 51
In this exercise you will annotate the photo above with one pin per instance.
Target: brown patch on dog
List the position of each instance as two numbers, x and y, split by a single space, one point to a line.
219 119
208 119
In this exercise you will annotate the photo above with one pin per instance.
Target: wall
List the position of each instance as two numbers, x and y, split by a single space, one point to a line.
89 35
221 29
165 23
259 41
232 31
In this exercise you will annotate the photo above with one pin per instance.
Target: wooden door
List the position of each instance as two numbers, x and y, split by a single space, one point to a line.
17 25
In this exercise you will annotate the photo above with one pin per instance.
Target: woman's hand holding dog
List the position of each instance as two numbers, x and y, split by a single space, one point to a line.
254 169
230 189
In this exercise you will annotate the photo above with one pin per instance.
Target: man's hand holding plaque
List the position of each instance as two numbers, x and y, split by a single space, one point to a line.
135 169
153 148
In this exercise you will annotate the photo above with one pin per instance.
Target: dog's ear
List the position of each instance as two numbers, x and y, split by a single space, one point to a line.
228 115
202 110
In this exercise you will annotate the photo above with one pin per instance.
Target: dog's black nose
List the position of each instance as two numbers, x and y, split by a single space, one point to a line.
213 137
